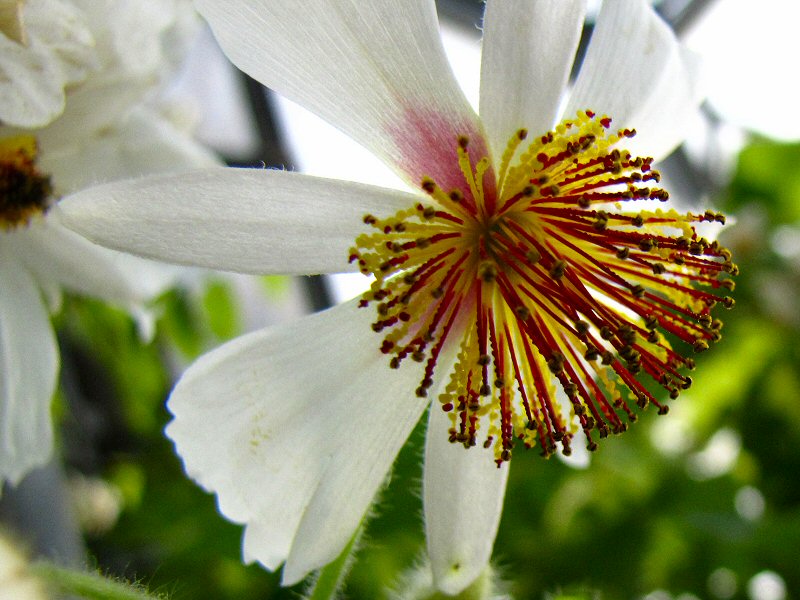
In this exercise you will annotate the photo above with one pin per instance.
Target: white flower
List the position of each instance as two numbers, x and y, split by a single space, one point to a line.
16 579
45 45
105 133
295 428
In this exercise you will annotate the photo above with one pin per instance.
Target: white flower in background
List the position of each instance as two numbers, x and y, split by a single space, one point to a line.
16 579
506 275
105 132
45 45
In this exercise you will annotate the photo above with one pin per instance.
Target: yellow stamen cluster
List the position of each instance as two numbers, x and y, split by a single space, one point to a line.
24 191
546 302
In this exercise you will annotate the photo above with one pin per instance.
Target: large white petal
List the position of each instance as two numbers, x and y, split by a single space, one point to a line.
636 72
246 220
528 50
28 369
57 255
294 429
376 70
463 493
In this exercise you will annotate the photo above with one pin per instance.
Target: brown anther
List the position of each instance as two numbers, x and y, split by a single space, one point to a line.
487 272
522 313
528 191
728 302
626 333
557 270
571 389
583 202
607 357
601 220
623 253
522 134
456 196
651 322
658 268
663 409
437 292
581 327
429 212
422 243
591 353
637 221
483 360
418 356
637 291
463 142
605 332
556 362
700 345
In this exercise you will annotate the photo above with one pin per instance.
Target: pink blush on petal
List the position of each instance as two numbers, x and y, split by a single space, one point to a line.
427 143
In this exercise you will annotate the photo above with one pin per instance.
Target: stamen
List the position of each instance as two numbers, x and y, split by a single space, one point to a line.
24 191
547 282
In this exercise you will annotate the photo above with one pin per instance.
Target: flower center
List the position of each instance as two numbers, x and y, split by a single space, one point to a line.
546 285
24 191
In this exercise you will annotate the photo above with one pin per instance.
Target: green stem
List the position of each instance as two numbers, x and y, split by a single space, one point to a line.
88 585
331 577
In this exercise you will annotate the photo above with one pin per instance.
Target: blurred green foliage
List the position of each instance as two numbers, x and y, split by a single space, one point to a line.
653 511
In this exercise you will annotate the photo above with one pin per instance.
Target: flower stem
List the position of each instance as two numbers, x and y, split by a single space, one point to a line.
331 577
92 586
